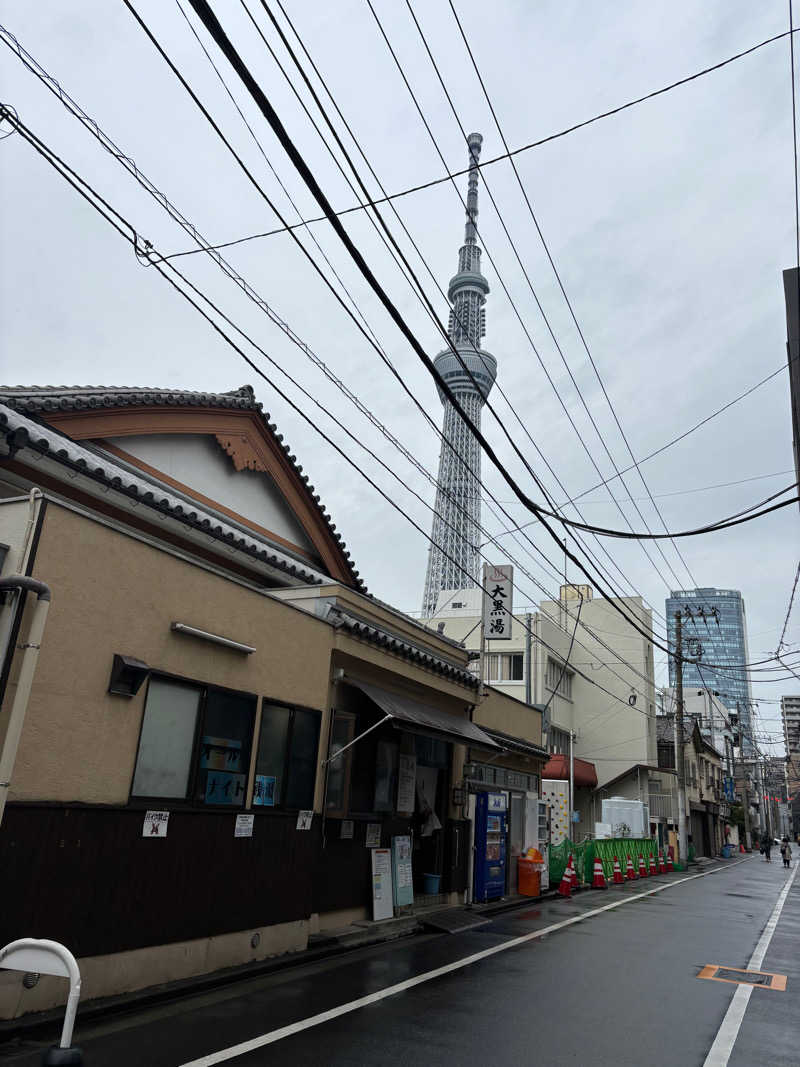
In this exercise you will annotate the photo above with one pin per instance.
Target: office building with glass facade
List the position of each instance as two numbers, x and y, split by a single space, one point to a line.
716 619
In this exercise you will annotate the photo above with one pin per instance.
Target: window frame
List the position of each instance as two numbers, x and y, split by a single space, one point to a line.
342 811
189 801
292 709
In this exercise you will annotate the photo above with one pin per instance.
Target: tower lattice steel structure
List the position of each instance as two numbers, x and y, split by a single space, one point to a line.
453 556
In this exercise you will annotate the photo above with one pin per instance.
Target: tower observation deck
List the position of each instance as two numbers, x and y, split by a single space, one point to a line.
453 557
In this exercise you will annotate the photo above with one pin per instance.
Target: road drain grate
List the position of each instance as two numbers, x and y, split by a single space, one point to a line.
762 979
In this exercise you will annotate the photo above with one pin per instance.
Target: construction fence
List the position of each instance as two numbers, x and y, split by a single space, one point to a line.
604 849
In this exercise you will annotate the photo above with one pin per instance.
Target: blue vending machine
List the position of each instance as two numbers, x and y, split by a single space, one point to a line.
490 846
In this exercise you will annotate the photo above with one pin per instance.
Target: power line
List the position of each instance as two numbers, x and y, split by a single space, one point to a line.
160 197
143 249
515 251
573 316
361 152
570 307
699 489
210 21
388 198
788 611
203 10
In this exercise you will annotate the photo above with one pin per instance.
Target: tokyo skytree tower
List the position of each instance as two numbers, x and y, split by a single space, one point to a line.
453 557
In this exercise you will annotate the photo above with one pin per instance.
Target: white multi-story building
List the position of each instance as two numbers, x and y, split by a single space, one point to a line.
597 686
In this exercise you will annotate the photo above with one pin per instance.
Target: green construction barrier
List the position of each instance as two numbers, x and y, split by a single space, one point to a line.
605 849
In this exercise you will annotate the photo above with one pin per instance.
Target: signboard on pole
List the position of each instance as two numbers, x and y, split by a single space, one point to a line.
402 875
382 901
498 586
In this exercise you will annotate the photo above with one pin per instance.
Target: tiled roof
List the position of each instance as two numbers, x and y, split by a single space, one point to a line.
39 400
384 639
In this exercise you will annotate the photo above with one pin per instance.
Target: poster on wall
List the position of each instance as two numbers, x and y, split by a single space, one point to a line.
382 900
373 839
155 824
347 829
224 788
264 791
406 784
402 876
220 754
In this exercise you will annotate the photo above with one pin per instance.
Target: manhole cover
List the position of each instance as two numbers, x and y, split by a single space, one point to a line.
452 921
751 977
764 979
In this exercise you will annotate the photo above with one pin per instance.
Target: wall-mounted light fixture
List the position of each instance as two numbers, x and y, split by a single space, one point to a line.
127 675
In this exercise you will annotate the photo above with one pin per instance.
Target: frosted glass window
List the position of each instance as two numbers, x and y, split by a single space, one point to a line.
167 740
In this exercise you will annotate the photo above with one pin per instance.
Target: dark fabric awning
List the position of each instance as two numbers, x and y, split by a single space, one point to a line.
423 719
517 745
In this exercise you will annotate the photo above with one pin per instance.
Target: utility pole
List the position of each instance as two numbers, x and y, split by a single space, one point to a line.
683 839
748 838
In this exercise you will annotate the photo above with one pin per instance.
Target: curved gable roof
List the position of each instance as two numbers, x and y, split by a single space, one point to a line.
236 419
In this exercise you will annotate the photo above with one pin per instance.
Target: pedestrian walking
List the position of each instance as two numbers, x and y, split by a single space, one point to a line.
786 852
766 848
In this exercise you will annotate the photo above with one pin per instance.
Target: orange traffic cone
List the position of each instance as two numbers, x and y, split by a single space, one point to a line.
598 879
642 868
618 879
662 867
741 847
565 888
630 874
669 862
653 870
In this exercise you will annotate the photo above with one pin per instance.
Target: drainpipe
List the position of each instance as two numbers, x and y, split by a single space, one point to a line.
30 655
528 646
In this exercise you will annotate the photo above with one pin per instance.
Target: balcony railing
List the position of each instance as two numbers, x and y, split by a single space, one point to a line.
662 806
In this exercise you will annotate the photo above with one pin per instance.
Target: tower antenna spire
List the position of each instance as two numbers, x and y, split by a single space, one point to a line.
457 514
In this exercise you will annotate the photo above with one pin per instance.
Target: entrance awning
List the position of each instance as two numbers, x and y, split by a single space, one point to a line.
425 720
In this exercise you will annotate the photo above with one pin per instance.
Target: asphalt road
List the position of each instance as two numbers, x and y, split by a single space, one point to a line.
619 987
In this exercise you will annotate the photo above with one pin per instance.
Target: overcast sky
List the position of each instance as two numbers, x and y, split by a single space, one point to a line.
670 225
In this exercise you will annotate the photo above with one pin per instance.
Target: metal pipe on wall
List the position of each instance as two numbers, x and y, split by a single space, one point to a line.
30 656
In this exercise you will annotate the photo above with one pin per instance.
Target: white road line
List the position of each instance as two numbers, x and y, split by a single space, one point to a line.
722 1048
372 998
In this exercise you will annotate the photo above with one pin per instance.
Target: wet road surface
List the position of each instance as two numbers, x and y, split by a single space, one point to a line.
619 987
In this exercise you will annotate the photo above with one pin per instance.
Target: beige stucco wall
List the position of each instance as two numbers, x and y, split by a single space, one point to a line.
127 972
501 712
113 593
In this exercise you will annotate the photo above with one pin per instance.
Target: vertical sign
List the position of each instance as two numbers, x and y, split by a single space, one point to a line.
402 877
406 784
382 901
497 601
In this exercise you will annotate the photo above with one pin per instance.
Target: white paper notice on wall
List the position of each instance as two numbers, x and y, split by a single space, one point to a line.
155 824
304 819
373 838
347 828
244 826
